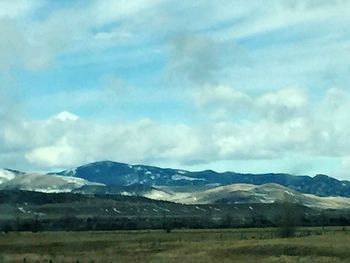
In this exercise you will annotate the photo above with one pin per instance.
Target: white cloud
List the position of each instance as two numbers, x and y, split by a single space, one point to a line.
111 10
57 155
58 143
12 47
199 59
342 170
206 40
283 104
17 8
226 102
220 95
222 101
278 123
35 42
277 15
66 140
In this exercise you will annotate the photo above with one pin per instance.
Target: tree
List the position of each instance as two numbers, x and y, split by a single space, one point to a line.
227 221
289 217
36 226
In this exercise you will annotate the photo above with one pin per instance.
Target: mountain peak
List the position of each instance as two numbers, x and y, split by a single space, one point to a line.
65 116
323 177
107 163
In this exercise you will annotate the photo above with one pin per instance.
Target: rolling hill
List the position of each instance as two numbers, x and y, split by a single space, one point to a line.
45 183
251 194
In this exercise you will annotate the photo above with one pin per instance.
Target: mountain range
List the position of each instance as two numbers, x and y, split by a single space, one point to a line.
177 185
120 174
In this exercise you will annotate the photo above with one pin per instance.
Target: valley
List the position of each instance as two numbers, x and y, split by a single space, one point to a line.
201 246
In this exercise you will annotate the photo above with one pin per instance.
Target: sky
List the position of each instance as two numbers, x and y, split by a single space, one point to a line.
246 86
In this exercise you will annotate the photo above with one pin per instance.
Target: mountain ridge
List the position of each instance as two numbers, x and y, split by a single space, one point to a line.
122 174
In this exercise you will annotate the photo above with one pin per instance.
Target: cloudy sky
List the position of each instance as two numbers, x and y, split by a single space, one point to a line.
248 86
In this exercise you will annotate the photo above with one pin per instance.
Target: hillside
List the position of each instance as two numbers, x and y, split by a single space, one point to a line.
44 183
25 210
252 194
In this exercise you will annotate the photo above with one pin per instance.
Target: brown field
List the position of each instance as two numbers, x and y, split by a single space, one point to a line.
229 245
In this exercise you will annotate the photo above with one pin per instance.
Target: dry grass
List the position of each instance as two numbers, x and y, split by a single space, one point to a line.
178 246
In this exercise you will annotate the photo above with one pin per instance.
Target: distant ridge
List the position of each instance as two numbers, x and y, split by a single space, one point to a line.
121 174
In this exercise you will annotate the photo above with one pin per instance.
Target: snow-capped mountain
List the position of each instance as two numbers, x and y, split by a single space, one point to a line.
45 183
203 187
120 174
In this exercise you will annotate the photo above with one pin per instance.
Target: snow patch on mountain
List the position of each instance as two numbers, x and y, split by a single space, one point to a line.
22 210
72 172
125 193
77 181
183 177
116 210
45 183
158 195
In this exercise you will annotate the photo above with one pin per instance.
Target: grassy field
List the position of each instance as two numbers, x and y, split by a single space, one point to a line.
229 245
